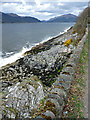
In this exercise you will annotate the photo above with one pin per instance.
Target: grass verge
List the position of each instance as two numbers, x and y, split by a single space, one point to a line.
74 105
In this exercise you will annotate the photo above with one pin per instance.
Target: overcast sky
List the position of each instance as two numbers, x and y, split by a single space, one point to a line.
43 9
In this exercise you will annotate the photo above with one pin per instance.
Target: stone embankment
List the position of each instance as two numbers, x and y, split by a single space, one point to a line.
47 70
55 101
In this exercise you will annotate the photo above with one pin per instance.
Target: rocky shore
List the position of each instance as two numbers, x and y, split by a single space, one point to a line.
28 80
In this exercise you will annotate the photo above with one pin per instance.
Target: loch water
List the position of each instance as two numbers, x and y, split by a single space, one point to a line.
17 38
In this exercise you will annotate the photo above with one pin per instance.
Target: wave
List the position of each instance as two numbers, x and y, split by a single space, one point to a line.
65 30
8 60
11 57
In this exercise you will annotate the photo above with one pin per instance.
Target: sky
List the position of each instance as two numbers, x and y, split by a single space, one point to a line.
43 9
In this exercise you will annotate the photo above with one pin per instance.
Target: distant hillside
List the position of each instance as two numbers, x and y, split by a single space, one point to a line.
12 14
14 18
64 18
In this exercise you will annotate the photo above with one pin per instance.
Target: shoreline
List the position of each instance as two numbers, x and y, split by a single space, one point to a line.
28 80
25 51
42 43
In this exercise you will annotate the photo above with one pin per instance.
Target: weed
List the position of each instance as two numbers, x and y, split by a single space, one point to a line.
43 100
59 71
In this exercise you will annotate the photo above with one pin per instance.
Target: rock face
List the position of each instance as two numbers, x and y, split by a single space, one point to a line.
27 81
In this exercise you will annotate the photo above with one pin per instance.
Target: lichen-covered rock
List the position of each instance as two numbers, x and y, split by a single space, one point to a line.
49 114
43 65
22 98
59 92
69 70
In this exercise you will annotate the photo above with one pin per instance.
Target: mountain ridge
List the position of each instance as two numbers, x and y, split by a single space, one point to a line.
64 18
14 18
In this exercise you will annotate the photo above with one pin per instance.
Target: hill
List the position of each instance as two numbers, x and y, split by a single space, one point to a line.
14 18
64 18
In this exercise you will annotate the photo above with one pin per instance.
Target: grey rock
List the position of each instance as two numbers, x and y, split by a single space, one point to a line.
39 117
49 114
59 98
57 105
66 77
60 92
61 80
64 85
69 70
71 64
24 97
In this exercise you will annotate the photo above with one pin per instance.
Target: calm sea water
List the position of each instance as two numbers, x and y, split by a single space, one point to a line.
17 38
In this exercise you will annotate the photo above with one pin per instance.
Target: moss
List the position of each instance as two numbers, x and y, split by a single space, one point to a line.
66 73
42 109
51 76
35 78
49 103
46 117
5 111
74 31
43 100
50 106
51 82
52 109
69 65
61 81
60 87
59 71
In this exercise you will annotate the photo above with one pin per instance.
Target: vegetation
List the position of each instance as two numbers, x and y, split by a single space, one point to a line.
81 25
74 105
82 22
